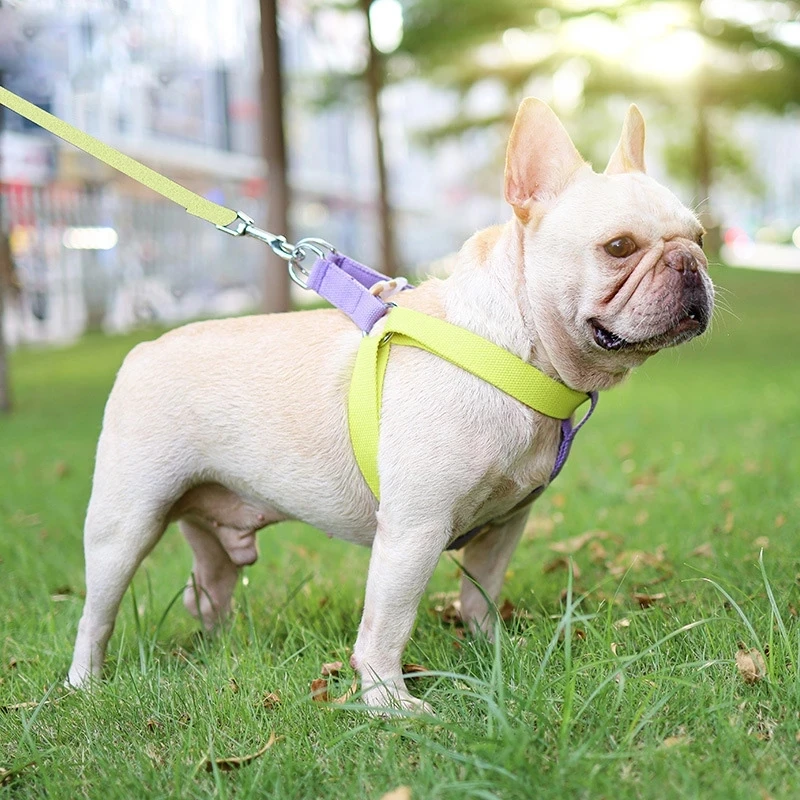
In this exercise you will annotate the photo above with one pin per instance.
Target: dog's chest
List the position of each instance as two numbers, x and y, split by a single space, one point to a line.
504 487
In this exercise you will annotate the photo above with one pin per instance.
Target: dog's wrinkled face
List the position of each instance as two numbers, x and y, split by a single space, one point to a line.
613 260
637 281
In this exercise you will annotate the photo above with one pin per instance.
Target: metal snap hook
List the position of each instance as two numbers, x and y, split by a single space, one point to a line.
298 255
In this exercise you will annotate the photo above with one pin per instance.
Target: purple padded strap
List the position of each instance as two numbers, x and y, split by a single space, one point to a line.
345 284
568 433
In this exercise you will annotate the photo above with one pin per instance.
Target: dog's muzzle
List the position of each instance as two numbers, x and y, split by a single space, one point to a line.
692 311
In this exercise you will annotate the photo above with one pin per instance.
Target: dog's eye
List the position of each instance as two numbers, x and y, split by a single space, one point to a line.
621 248
700 239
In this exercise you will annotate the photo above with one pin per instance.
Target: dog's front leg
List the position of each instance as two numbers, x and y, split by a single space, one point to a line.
402 562
486 560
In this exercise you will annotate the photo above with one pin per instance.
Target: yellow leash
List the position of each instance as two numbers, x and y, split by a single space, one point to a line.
461 347
195 204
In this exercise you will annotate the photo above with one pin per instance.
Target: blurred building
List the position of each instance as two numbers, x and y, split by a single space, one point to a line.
173 84
332 154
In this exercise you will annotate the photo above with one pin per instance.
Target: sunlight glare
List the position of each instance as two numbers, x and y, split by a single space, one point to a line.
599 35
386 22
527 47
674 57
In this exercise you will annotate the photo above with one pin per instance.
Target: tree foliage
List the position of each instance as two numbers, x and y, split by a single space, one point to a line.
750 59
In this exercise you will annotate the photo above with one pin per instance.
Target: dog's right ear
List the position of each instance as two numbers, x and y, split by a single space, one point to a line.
629 155
541 157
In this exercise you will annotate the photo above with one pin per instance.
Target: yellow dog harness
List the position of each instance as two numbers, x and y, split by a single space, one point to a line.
461 347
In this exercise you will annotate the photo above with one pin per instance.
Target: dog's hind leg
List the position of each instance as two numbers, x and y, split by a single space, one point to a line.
486 560
115 543
208 593
221 528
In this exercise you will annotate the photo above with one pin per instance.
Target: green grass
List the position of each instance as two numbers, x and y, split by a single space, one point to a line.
689 471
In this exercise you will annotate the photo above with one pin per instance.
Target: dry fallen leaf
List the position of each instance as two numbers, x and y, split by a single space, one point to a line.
637 560
447 607
271 700
506 610
400 793
729 520
539 526
9 775
17 706
614 646
625 450
704 550
558 500
412 669
228 764
153 753
750 664
319 690
647 600
597 552
622 623
34 703
562 562
645 480
569 546
331 668
348 694
761 542
675 741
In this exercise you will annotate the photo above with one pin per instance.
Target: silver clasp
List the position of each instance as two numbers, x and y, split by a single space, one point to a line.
293 254
300 251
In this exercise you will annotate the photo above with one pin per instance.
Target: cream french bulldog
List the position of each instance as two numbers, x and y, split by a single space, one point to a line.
230 426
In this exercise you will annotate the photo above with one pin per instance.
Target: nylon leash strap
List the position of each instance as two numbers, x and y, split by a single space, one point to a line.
195 204
235 223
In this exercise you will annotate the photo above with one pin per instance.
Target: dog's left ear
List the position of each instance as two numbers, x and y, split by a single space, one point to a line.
541 157
629 155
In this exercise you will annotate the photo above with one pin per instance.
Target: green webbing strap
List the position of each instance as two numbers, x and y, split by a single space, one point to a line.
461 347
193 203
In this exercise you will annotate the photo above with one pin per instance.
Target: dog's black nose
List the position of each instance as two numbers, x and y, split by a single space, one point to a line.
696 301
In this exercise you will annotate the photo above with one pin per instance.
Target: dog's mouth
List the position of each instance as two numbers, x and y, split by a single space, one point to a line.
692 324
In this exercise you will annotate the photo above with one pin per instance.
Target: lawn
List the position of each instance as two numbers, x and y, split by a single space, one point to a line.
679 508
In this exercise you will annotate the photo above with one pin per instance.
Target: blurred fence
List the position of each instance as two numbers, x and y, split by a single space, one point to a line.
166 266
98 259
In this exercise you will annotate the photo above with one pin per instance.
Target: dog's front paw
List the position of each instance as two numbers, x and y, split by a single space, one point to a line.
386 701
80 678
